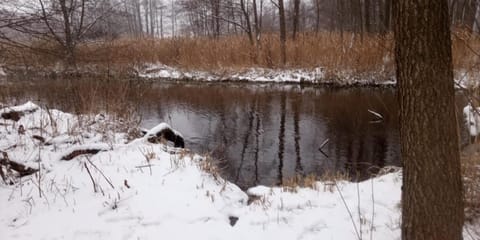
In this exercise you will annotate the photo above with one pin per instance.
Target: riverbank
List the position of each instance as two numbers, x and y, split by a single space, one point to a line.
327 58
464 79
317 76
131 187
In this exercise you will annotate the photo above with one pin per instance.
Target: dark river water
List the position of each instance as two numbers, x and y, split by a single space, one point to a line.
267 134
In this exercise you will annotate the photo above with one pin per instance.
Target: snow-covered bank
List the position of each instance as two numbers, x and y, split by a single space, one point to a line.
135 189
316 75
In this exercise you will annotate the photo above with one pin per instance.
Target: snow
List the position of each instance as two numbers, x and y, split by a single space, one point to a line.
464 79
146 191
472 119
2 72
259 75
159 128
27 107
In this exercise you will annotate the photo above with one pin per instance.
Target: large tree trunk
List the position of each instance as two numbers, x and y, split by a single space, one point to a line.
432 205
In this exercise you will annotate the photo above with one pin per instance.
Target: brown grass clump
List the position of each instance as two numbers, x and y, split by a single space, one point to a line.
310 181
210 166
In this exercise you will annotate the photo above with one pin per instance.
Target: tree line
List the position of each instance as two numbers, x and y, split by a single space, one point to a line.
67 23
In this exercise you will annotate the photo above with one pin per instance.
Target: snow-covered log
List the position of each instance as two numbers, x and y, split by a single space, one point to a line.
163 131
16 112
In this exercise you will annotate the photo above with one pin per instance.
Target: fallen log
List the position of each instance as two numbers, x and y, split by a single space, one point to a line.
82 150
21 169
13 115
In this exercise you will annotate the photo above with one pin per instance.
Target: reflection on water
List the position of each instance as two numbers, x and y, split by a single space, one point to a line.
265 134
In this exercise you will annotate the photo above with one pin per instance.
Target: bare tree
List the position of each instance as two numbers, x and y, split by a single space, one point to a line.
283 30
72 18
296 16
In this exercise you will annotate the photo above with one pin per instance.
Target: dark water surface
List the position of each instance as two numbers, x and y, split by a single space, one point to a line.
266 134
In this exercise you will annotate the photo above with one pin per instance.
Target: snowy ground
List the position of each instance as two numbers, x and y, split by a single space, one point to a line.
134 189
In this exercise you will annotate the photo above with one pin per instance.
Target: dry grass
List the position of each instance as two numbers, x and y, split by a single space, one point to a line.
310 181
116 99
210 166
373 53
471 180
326 49
299 181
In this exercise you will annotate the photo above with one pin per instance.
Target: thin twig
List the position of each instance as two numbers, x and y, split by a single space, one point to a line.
358 208
101 172
323 145
91 177
373 211
348 210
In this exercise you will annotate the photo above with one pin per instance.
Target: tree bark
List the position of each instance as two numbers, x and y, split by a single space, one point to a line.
146 8
69 41
138 17
296 16
476 28
367 16
283 32
248 27
432 202
387 16
317 15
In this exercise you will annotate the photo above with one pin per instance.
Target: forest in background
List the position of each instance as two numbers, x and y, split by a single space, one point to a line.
340 35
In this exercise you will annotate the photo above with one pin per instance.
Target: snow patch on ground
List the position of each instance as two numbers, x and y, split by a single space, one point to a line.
141 190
